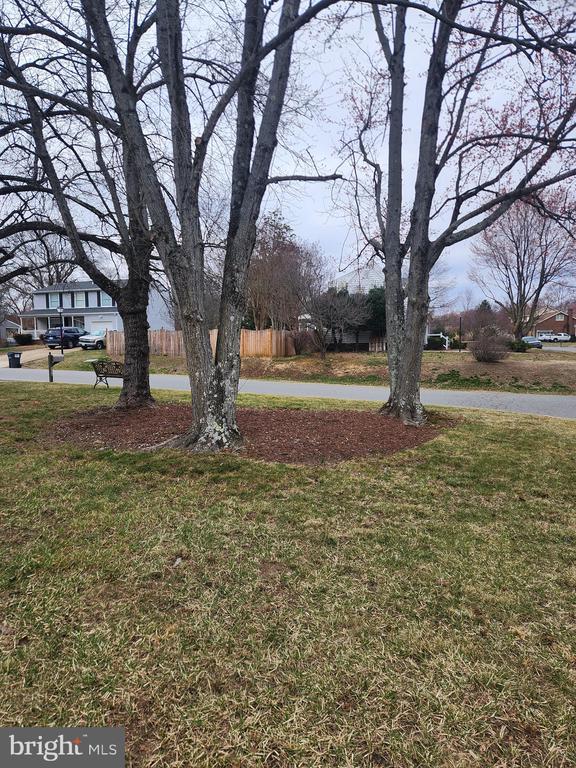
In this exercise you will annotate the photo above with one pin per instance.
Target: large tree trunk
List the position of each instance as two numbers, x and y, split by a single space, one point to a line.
404 401
226 377
213 419
406 341
136 387
187 281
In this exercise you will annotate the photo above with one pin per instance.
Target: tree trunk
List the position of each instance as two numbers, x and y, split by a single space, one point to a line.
407 341
394 295
226 374
213 417
136 387
404 401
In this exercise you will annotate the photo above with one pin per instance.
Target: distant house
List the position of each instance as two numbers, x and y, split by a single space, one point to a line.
362 278
85 306
9 325
555 321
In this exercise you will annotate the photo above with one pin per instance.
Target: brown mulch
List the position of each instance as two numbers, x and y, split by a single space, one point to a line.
272 434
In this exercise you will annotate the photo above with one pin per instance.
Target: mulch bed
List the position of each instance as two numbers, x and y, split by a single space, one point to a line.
272 434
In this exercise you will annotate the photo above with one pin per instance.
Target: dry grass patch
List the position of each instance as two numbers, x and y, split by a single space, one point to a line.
412 610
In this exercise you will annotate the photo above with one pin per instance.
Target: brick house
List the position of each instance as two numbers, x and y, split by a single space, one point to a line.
556 321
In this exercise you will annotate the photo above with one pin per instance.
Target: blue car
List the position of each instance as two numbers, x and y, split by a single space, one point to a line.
532 341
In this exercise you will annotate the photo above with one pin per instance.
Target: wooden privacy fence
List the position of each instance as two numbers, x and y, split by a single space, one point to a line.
267 343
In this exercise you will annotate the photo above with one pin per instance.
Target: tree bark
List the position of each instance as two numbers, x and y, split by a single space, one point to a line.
136 387
220 429
404 401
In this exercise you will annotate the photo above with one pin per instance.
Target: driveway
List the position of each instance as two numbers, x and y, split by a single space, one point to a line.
28 356
561 406
559 347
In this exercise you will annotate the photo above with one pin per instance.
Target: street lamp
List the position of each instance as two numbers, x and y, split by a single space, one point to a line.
61 312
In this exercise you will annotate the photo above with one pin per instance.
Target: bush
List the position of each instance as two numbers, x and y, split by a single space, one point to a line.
518 346
303 342
489 346
435 343
23 338
457 344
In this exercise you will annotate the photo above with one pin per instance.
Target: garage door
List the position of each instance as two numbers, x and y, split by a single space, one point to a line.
102 325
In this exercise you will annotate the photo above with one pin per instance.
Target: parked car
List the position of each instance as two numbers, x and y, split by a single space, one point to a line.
68 336
554 336
96 340
532 341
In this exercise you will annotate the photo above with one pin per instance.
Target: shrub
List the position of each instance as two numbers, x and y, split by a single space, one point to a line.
518 346
303 342
489 346
23 338
458 344
435 343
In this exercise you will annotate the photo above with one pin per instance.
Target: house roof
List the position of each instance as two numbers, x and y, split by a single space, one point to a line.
78 311
7 322
81 285
548 313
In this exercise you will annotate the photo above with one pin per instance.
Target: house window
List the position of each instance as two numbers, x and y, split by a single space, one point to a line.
80 299
559 317
54 300
105 300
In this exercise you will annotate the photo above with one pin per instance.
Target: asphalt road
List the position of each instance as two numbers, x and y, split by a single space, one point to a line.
559 347
561 406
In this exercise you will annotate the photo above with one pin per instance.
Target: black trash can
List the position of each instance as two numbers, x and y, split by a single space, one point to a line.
14 359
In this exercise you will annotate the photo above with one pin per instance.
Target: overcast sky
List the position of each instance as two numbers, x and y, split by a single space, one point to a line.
315 209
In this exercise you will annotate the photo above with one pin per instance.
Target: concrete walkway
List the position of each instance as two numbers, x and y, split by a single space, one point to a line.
561 406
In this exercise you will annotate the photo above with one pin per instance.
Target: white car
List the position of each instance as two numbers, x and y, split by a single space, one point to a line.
554 336
96 340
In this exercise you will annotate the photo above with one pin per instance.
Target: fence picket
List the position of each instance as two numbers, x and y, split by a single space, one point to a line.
269 343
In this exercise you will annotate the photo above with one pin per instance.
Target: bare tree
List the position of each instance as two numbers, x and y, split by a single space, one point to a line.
276 275
479 150
561 295
518 257
213 381
37 260
73 167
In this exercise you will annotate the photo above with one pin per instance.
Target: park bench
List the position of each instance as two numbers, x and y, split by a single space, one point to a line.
106 369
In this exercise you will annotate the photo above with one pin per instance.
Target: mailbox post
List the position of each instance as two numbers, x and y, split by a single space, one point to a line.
52 361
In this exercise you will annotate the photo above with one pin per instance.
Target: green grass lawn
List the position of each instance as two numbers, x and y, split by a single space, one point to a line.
413 610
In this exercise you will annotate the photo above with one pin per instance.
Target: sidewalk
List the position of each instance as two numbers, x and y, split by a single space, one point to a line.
560 406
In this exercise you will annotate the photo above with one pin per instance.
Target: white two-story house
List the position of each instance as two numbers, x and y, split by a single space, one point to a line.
83 305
